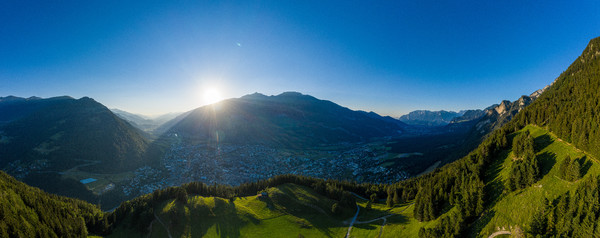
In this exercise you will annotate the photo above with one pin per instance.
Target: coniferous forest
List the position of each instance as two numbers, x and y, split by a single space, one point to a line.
568 108
457 196
293 165
29 212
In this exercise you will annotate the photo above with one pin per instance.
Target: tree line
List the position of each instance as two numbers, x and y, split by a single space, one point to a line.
30 212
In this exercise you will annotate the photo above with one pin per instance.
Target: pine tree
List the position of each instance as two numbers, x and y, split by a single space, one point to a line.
564 167
396 198
574 171
373 197
389 202
538 223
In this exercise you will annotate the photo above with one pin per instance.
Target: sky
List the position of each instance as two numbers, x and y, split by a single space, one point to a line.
390 57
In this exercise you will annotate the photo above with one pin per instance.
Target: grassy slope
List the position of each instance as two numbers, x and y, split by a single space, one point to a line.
290 210
510 209
507 209
286 213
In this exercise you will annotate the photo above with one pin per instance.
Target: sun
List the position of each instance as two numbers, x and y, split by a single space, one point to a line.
211 95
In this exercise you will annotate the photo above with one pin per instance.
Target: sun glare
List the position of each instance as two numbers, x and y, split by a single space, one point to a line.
211 95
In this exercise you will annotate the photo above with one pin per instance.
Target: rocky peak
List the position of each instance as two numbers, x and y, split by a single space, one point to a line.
523 101
539 92
501 109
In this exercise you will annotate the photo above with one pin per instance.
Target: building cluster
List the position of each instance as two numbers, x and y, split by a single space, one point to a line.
235 164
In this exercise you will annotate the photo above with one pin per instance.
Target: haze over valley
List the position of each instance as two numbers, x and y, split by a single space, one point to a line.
230 142
299 119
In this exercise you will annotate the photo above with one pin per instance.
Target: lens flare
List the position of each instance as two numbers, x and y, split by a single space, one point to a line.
211 95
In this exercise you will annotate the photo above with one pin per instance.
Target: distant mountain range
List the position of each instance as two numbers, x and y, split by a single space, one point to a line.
430 118
497 115
468 115
290 119
61 132
145 123
558 127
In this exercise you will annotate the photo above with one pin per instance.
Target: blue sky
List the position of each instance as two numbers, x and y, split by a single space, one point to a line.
390 57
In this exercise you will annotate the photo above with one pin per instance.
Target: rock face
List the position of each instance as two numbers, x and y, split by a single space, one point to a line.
469 115
498 115
429 118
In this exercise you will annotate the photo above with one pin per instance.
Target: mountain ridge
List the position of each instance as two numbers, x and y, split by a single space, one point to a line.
509 174
567 110
285 119
430 118
54 128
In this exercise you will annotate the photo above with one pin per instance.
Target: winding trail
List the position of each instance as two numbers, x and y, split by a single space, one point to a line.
497 233
382 225
376 219
166 228
353 220
384 218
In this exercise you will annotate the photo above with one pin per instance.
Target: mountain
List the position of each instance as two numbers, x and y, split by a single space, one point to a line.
537 175
470 129
139 121
13 108
542 164
144 123
290 119
429 118
497 115
165 126
29 212
60 133
469 115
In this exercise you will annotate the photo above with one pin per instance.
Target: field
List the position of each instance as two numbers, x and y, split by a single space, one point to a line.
102 180
289 211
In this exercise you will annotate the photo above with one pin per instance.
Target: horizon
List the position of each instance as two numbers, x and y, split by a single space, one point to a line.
390 58
181 112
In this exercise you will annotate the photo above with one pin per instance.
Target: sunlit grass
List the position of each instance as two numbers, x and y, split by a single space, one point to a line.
517 207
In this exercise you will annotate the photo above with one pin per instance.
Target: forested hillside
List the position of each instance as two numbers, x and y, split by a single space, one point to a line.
29 212
60 133
569 108
538 175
